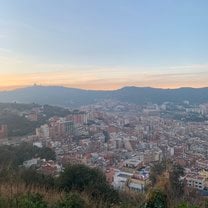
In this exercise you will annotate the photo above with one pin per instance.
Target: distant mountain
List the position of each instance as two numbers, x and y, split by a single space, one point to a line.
53 95
155 95
75 97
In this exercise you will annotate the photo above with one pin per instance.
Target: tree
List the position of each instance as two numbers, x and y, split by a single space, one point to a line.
80 177
47 153
156 170
32 177
176 183
16 155
157 199
83 178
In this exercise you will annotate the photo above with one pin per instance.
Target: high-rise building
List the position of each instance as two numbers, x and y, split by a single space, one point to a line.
61 128
78 117
69 127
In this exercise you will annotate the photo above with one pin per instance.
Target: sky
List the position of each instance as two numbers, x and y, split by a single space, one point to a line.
94 44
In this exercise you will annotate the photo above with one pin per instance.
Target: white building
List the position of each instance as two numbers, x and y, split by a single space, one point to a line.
120 180
128 181
38 144
133 163
195 181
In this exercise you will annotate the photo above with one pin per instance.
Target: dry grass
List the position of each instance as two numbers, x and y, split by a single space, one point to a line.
11 191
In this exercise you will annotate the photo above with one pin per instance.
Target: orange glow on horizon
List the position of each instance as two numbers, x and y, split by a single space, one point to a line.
103 79
113 86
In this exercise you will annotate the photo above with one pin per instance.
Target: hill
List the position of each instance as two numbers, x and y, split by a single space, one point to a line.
55 95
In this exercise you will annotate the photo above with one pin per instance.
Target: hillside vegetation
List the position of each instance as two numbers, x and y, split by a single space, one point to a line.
14 116
79 186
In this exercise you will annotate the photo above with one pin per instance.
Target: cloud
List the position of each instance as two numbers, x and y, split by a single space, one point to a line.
194 66
18 72
95 81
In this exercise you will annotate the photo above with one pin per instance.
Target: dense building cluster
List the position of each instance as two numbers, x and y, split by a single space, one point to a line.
125 140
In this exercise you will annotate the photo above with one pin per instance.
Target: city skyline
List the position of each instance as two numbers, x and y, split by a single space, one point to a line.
103 45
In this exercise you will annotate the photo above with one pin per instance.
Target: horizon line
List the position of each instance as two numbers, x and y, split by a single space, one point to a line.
13 88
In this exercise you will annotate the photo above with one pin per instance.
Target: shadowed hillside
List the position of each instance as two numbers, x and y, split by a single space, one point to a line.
75 97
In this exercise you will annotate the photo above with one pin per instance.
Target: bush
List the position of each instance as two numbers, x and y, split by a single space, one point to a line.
72 200
82 178
32 177
3 202
157 199
186 205
30 201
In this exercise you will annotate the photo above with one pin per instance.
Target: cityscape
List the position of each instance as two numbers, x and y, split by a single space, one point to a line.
123 140
103 104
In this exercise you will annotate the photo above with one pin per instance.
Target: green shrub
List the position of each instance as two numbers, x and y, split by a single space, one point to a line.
186 205
93 181
30 201
157 199
3 202
71 201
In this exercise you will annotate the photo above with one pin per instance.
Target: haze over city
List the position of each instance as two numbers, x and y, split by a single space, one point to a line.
103 104
103 44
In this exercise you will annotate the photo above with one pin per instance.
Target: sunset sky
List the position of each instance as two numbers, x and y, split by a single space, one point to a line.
94 44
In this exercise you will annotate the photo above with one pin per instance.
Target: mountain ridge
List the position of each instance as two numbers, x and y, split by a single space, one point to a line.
64 96
74 88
